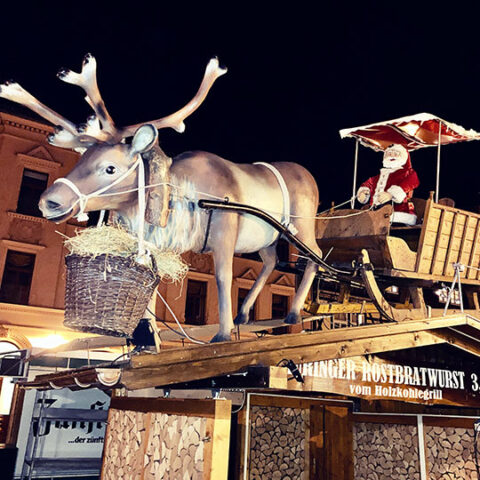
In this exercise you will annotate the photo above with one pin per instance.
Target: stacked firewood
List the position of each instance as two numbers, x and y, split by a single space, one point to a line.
450 454
385 451
175 448
277 443
153 446
122 458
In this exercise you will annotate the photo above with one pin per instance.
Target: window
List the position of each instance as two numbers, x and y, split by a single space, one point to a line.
279 306
17 277
195 303
33 185
242 293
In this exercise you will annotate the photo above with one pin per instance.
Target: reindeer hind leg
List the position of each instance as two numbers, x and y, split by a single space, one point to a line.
311 269
269 257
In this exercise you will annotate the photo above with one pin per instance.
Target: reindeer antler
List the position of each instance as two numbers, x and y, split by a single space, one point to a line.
14 92
175 120
87 80
101 127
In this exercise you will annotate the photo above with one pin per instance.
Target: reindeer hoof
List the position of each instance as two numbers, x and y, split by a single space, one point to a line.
87 58
221 337
292 318
241 319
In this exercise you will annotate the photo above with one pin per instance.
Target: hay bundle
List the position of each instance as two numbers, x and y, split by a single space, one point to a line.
108 287
114 240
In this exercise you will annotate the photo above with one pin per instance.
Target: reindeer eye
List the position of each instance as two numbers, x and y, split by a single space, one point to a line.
110 170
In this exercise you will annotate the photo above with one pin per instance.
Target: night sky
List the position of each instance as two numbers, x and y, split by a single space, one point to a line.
296 76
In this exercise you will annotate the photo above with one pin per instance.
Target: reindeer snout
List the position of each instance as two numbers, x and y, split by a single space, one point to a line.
52 207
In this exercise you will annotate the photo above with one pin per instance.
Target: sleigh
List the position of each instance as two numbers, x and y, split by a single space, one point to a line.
406 268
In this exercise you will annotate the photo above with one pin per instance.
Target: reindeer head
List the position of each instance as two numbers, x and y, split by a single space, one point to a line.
106 175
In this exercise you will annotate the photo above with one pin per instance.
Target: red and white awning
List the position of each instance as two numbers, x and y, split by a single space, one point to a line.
413 132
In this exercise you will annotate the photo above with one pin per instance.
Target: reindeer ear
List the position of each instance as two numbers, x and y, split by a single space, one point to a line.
144 139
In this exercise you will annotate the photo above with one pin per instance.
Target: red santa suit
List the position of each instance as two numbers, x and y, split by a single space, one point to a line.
396 181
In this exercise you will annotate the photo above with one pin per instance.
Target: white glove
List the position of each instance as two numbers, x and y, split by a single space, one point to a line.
363 195
383 197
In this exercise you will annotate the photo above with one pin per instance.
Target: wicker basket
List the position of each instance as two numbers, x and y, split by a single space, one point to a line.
107 294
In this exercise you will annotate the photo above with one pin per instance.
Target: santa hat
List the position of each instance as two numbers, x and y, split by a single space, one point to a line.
396 156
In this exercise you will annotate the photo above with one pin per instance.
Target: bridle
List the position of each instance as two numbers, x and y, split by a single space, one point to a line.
83 198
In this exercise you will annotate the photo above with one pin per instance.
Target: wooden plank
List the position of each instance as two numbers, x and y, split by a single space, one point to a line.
429 277
241 447
278 378
317 443
15 415
473 254
148 425
369 223
458 340
453 248
165 374
284 401
422 258
169 406
216 453
393 419
333 308
338 443
441 243
443 421
228 349
464 244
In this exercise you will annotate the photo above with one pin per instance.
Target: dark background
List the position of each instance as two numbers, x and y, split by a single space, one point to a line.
296 76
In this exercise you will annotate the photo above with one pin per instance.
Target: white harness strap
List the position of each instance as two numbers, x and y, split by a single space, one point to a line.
285 194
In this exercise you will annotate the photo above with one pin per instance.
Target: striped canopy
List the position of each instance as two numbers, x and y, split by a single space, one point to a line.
413 132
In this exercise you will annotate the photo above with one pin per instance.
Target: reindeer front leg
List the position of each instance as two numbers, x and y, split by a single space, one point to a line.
223 277
222 242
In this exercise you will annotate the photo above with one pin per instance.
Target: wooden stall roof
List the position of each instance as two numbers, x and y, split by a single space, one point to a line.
205 361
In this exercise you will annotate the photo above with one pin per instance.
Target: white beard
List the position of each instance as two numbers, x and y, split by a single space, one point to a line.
394 162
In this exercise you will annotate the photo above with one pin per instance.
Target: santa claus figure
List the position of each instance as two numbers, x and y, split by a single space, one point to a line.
396 182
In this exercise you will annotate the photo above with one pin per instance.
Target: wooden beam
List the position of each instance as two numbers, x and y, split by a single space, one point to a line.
458 340
333 308
306 339
135 378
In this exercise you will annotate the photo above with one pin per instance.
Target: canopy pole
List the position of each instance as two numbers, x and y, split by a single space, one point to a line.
437 185
355 164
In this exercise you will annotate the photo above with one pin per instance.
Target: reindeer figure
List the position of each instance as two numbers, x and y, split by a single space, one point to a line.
106 177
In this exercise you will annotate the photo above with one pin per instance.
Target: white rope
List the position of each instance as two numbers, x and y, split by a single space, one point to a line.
176 319
272 212
83 198
141 209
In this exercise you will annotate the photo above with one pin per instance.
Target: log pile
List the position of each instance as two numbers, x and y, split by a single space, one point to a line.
277 443
175 448
124 440
385 451
153 446
449 453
